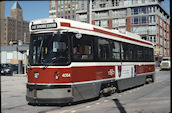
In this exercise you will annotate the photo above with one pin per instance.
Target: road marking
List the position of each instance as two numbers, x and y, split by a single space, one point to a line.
125 93
97 103
130 91
105 100
73 111
135 89
77 107
87 106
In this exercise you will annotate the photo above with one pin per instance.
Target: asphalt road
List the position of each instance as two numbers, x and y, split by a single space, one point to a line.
150 98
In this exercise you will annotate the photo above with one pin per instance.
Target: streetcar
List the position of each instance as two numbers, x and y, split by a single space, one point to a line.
71 61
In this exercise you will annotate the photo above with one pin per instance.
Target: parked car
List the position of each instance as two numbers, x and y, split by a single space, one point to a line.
165 65
8 69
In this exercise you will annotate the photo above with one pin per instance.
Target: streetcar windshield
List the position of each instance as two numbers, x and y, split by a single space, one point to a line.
49 49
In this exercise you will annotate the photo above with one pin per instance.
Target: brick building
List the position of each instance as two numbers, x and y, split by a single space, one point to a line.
15 28
2 16
144 17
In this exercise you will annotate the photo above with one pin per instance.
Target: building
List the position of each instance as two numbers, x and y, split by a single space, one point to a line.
14 54
144 17
2 16
63 8
15 27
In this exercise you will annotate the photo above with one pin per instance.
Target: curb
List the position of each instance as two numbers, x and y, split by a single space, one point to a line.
19 75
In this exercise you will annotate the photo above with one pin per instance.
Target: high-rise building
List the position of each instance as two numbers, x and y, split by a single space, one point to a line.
63 8
15 27
144 17
2 16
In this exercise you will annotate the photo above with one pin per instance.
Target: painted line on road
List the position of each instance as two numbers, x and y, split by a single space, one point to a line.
116 95
105 100
88 106
73 111
97 103
77 107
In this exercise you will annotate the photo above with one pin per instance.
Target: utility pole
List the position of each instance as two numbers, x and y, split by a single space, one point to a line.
89 11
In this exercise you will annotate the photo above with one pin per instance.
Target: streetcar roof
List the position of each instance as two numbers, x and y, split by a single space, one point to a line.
56 24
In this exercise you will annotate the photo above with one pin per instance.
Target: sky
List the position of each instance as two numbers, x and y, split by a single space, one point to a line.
31 9
40 9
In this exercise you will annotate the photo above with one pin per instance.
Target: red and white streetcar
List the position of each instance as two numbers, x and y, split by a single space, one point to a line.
71 61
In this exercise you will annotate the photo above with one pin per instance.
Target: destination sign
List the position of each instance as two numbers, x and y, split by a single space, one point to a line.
44 26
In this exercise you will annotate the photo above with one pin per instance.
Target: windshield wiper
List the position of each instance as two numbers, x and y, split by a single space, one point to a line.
29 66
40 51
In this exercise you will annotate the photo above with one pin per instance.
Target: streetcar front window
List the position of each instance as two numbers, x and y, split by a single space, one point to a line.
49 49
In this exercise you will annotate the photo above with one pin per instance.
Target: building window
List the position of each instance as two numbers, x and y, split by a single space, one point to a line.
135 10
121 12
152 29
101 14
119 22
53 3
140 20
83 17
143 10
123 29
140 29
104 23
52 8
136 20
97 23
144 20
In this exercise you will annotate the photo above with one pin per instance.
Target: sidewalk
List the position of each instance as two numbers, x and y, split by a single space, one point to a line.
19 75
157 68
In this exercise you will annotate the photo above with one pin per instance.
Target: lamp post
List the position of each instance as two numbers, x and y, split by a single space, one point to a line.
89 11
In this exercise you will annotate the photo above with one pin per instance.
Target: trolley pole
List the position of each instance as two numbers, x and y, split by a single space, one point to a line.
89 11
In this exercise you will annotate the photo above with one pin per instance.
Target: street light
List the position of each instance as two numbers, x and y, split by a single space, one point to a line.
89 11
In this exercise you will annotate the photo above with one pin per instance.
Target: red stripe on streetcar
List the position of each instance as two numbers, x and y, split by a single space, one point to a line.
117 35
79 74
65 24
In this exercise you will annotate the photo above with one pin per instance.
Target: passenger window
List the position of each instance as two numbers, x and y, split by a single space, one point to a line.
139 53
103 49
83 48
115 50
122 52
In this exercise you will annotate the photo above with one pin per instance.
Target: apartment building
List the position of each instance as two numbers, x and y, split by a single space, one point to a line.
63 8
144 17
15 28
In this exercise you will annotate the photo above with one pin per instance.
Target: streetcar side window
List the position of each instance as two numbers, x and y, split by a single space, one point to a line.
115 50
151 56
103 50
122 52
83 48
139 53
127 52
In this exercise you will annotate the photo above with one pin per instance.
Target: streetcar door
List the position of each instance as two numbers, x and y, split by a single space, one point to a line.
126 69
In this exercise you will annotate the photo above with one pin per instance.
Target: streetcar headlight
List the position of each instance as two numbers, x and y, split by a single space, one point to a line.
36 74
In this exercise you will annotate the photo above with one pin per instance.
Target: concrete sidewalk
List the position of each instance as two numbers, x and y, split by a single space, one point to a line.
20 75
157 68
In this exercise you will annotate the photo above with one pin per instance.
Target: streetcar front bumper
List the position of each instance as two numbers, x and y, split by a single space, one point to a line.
49 94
